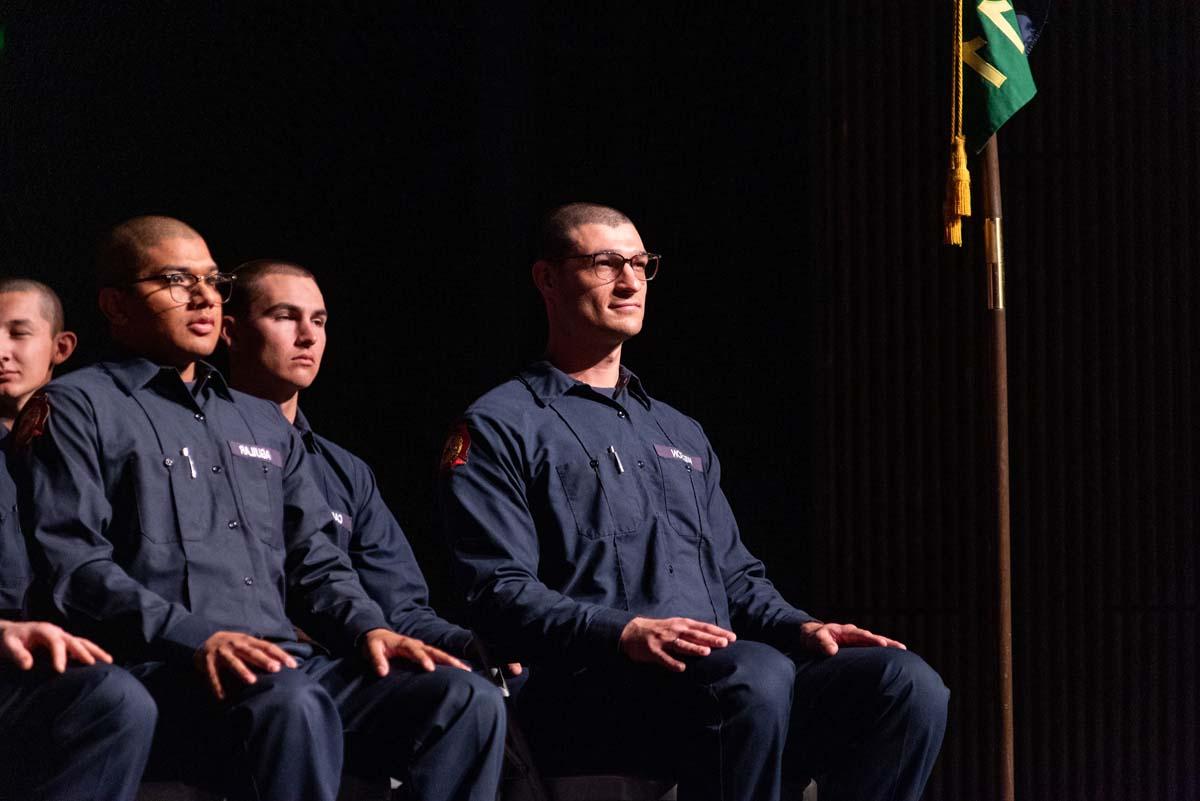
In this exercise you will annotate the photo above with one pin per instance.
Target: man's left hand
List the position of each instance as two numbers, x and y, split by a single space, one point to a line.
827 638
380 645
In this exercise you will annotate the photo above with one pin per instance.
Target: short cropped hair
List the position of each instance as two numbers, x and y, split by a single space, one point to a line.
555 236
52 308
250 274
119 252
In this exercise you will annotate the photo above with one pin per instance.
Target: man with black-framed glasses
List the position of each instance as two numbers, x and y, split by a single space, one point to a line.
594 542
184 533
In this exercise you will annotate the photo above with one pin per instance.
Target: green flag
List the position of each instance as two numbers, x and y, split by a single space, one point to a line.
996 77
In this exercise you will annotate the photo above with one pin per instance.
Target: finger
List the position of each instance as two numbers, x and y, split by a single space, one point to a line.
96 650
278 653
689 648
378 657
58 654
19 653
416 653
442 658
214 676
256 655
825 642
514 668
231 662
665 659
76 649
709 628
701 637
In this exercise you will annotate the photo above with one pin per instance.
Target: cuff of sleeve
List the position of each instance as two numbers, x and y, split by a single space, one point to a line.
185 638
605 629
362 622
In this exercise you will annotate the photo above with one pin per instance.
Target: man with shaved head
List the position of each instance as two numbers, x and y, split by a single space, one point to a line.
183 531
72 725
594 541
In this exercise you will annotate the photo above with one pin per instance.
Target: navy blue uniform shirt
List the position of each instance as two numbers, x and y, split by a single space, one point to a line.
367 531
168 513
571 512
14 560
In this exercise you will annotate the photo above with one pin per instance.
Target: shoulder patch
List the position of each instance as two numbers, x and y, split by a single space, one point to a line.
31 422
458 445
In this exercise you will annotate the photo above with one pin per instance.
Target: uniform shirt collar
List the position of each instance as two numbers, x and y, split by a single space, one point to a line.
548 383
136 372
306 432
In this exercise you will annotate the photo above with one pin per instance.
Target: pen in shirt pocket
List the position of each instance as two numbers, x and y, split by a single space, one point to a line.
187 454
616 458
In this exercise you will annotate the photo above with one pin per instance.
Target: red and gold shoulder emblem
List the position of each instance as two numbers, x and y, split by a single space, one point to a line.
31 422
458 445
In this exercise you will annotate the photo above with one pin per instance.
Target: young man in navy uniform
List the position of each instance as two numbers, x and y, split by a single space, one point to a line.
183 530
590 529
275 332
72 725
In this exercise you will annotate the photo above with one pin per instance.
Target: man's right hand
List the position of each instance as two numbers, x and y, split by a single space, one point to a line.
19 640
234 653
655 641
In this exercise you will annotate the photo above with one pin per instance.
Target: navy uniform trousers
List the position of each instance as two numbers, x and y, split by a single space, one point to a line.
440 733
80 736
866 723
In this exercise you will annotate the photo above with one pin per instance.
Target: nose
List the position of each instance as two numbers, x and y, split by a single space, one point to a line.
306 333
205 294
628 281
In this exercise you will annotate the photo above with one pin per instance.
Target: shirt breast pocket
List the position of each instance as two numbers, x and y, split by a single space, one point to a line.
601 505
260 484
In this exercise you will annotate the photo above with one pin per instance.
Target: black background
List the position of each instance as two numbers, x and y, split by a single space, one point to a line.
788 160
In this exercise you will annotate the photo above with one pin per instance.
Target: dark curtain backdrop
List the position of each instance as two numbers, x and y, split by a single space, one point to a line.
788 160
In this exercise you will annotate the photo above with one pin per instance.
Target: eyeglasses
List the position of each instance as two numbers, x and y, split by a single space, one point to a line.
183 285
608 264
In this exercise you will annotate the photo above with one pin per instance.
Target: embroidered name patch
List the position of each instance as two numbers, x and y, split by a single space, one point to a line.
342 520
667 452
259 452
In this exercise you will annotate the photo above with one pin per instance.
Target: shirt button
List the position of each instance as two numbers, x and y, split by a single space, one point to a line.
199 417
233 524
689 467
249 581
671 569
168 462
622 414
641 463
216 468
266 469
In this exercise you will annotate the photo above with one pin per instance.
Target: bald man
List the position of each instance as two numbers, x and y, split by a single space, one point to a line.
183 530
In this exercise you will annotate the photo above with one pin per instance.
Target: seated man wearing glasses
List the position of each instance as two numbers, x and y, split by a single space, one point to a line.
72 725
181 527
589 527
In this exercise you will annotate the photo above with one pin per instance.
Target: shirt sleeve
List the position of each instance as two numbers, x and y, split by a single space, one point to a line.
485 515
388 569
67 512
757 610
334 608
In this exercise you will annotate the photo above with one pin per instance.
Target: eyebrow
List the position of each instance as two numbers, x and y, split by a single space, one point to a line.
20 321
291 307
175 268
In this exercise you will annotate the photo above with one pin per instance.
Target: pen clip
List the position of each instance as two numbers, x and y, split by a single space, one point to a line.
616 458
191 465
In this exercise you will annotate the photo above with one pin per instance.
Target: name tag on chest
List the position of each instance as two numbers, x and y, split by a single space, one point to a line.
258 452
668 452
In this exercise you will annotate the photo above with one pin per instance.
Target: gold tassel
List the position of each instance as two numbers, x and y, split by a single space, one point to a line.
958 182
953 230
958 179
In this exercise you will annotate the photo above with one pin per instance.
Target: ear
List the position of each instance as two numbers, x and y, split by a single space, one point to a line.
112 305
544 277
228 331
64 346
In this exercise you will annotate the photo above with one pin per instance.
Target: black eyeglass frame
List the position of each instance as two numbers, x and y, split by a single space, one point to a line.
214 281
647 273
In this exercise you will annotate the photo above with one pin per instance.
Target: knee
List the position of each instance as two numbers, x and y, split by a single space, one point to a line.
908 680
289 698
758 677
467 696
117 702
